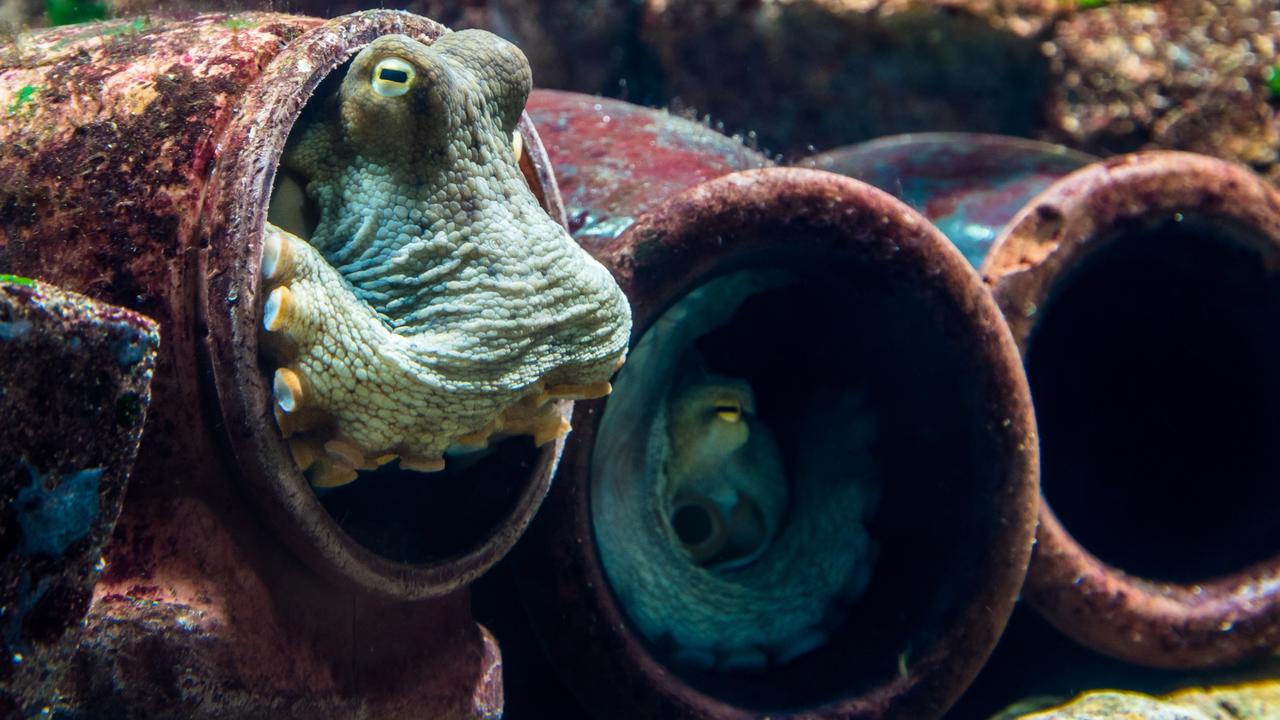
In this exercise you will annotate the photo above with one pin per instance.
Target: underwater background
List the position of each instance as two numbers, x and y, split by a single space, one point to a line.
789 82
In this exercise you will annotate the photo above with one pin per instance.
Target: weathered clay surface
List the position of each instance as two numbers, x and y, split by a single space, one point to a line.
729 222
615 161
1212 621
75 383
967 184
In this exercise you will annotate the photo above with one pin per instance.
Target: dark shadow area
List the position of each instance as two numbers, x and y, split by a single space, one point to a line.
531 686
1154 372
417 518
1033 660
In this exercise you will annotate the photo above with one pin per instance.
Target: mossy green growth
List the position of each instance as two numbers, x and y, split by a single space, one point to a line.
26 95
70 12
17 280
1273 82
236 23
104 31
130 28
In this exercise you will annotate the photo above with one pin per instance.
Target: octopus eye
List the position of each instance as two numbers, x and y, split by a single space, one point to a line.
729 411
392 77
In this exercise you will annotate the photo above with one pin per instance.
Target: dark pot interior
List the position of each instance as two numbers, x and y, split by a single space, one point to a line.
1153 369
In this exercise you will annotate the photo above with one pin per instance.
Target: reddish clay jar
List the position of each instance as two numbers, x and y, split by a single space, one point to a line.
1143 292
968 184
1149 375
871 291
455 525
136 166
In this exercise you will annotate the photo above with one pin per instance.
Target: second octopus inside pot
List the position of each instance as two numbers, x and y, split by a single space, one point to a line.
729 547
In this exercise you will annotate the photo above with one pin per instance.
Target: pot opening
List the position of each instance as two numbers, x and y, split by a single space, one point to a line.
791 484
404 515
418 518
1154 371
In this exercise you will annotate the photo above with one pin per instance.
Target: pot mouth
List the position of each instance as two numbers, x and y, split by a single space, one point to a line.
1141 291
397 533
1141 296
1153 364
808 484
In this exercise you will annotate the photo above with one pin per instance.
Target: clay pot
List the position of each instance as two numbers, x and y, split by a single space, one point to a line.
1139 290
400 537
136 165
861 293
1143 292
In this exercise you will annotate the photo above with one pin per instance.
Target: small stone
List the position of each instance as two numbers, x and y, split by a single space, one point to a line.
1248 701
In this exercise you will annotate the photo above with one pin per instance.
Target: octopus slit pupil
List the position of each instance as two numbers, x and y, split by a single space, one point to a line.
692 525
396 76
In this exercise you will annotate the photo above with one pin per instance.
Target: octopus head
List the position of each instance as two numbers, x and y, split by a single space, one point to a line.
401 95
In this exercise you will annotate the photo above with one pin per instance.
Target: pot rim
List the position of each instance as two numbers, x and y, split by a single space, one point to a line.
230 309
971 142
1161 624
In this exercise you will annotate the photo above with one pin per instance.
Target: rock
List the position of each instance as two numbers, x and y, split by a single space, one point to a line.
1099 76
75 382
1247 701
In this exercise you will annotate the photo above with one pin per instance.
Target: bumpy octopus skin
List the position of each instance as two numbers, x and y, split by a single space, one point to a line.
435 304
764 607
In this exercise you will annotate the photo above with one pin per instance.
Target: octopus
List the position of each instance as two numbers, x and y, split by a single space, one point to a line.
419 298
723 555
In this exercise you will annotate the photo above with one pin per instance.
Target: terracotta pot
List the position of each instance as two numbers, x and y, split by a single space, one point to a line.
862 289
1138 290
474 517
1143 292
136 163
